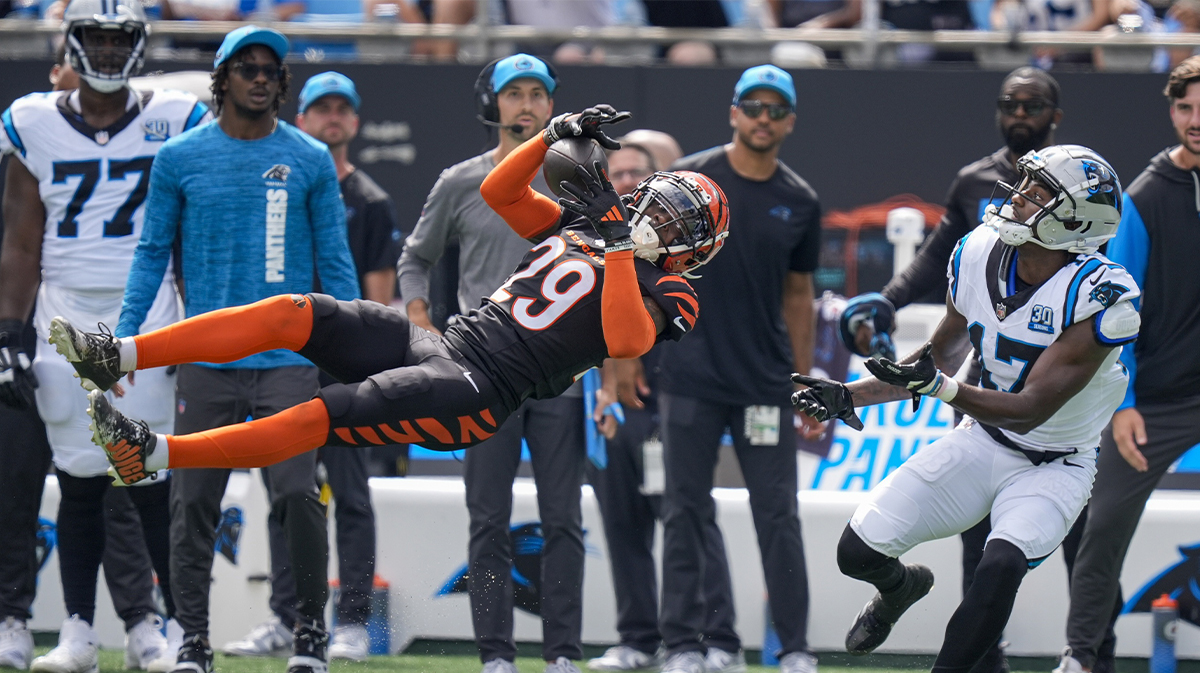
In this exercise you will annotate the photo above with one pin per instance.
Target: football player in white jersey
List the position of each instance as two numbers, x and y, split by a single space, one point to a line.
72 209
1049 315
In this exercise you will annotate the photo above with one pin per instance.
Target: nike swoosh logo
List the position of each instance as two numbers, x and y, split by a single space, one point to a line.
1067 462
467 375
680 324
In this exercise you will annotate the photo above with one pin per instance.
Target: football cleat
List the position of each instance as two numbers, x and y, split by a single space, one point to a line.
880 614
96 357
126 442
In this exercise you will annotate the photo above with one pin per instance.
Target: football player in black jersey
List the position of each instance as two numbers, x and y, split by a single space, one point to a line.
574 300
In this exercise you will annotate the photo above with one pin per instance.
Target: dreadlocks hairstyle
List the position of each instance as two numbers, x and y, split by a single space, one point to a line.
221 75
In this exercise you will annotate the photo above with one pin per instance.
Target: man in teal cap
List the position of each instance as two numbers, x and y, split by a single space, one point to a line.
513 95
778 222
247 201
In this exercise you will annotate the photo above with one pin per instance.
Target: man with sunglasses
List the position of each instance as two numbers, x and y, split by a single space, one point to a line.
519 92
254 207
72 208
734 374
1027 114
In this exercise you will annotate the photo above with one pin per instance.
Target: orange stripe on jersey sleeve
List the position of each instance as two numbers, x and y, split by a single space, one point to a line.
629 330
506 189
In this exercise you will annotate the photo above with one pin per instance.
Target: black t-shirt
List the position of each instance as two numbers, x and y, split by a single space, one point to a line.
740 352
544 326
972 190
375 241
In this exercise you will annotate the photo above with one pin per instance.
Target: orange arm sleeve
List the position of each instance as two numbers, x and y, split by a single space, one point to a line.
506 189
628 328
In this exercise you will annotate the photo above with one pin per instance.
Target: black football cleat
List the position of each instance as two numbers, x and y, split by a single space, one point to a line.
874 623
309 644
96 357
126 442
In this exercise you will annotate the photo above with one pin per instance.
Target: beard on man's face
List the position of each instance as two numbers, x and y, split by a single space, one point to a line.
1023 138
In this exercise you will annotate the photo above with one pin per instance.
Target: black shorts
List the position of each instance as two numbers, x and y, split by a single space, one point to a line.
399 384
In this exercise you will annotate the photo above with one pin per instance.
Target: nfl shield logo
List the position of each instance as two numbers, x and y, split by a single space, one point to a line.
1001 310
101 137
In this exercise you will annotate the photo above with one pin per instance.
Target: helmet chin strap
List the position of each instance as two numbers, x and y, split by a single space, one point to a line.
1012 232
648 245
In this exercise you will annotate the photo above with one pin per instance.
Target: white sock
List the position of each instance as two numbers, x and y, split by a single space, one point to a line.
160 459
128 352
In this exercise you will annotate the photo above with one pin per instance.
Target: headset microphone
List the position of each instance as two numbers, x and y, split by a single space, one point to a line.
515 128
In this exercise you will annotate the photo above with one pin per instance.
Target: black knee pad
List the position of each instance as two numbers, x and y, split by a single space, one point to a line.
855 559
1002 564
323 304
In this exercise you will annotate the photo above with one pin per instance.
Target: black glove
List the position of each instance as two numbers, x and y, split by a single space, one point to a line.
921 377
601 205
586 124
825 399
17 380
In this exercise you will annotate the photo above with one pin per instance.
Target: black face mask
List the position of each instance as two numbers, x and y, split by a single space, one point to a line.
1021 144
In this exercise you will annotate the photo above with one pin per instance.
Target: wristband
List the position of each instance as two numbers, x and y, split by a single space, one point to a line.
948 388
619 245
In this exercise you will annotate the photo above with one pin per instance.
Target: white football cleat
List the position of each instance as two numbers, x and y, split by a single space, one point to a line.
16 644
350 641
269 639
77 652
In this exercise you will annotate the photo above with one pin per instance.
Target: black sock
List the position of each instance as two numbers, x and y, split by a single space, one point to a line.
857 560
979 621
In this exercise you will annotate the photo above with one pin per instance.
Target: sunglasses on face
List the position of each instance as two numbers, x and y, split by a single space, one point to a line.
1033 107
754 108
249 71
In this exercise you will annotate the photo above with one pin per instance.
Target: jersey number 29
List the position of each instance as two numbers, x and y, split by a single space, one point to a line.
580 274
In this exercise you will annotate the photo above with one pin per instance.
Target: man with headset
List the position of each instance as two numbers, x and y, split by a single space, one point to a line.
514 96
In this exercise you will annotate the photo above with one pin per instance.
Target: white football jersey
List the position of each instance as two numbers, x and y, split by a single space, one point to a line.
93 181
1011 329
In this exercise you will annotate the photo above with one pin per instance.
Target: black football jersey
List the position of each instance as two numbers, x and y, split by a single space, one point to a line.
543 327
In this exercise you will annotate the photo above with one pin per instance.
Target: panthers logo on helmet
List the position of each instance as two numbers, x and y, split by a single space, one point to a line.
1107 293
1102 185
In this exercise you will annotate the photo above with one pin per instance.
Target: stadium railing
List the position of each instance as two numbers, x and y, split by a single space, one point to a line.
872 43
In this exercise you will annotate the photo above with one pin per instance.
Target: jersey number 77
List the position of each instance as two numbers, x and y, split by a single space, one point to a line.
89 173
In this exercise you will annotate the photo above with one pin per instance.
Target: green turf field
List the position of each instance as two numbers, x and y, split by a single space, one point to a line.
111 661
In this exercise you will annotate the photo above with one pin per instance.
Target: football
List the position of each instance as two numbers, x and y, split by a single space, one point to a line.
564 155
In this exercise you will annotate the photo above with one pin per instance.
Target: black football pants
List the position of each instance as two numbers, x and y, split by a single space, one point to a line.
25 456
211 398
553 429
629 519
691 432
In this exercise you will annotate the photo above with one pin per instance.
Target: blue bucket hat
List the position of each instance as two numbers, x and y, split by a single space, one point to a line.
248 35
328 84
522 65
765 77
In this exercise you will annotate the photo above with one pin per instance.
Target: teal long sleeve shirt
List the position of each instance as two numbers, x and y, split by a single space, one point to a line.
252 219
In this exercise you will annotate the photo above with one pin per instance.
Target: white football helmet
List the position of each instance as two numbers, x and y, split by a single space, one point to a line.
123 15
1083 211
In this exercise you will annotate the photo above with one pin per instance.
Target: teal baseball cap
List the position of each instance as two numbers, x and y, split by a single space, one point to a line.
765 77
522 65
328 84
248 35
